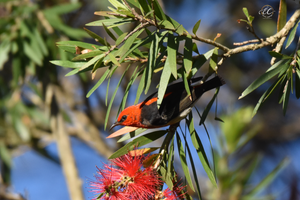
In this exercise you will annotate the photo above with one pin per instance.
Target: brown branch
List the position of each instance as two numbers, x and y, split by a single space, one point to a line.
270 40
278 49
246 42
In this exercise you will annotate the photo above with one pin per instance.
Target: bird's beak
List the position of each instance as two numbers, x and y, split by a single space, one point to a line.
114 125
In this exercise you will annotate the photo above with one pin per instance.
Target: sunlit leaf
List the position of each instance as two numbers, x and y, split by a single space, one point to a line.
138 142
183 161
196 26
292 35
282 15
265 77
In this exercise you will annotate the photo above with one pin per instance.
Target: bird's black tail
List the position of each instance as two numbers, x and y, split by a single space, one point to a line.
208 85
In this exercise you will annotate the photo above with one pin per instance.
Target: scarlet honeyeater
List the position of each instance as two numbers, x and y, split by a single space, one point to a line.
175 106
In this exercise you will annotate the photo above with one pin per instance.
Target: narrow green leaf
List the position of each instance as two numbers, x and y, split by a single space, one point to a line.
188 56
279 55
127 45
180 30
91 62
5 48
268 179
113 97
140 88
40 41
109 32
79 44
144 6
200 150
264 78
95 36
183 161
282 15
166 176
186 84
151 61
194 171
132 134
208 107
245 10
117 4
213 61
292 35
171 155
158 10
67 63
163 83
297 83
266 94
172 54
120 38
138 142
88 55
113 59
103 77
110 22
62 8
166 24
286 96
196 26
31 54
5 155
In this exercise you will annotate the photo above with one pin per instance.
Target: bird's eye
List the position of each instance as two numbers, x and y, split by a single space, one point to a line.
124 117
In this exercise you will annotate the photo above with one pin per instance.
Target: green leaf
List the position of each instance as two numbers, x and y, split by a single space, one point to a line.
151 61
213 61
188 56
113 97
196 26
186 84
286 95
171 156
208 107
4 55
292 35
68 64
126 48
62 8
83 45
279 55
158 10
266 94
5 155
166 24
88 55
95 36
28 50
91 62
297 83
281 15
166 176
117 4
268 179
140 88
180 30
132 134
109 33
200 150
138 142
163 83
120 38
183 161
275 69
245 10
194 170
103 77
114 60
111 22
172 53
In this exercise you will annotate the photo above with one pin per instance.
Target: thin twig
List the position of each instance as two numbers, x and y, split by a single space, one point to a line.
246 42
278 49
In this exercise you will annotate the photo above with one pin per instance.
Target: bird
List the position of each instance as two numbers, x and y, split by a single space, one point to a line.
175 106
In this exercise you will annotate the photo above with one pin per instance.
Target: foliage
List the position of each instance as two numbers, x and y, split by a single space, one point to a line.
150 51
27 42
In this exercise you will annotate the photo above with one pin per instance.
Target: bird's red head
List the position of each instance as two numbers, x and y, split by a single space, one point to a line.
130 116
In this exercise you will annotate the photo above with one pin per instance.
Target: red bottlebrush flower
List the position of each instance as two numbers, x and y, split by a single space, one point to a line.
126 179
105 184
175 194
141 182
